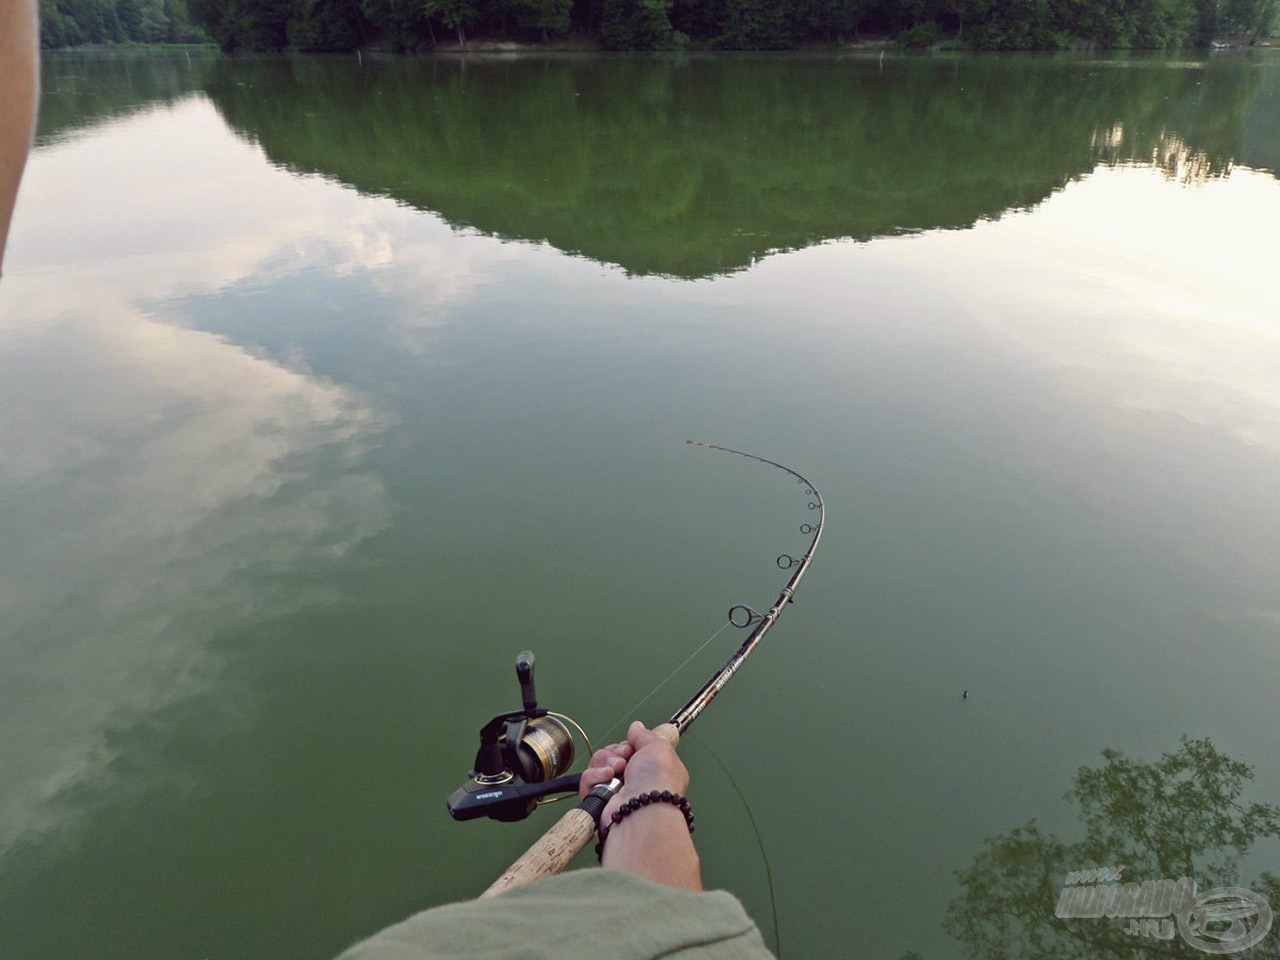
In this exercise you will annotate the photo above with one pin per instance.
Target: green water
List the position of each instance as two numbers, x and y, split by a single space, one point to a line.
325 388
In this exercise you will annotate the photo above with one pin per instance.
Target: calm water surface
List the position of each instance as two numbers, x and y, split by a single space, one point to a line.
326 389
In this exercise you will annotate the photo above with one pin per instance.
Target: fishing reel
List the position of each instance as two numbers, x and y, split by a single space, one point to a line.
522 759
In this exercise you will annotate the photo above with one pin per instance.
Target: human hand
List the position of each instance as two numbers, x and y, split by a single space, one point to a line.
645 760
605 764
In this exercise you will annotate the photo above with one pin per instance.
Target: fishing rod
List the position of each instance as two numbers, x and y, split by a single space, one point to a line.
524 754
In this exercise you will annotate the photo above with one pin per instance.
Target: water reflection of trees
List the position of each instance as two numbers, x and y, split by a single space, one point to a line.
1183 815
1195 140
697 167
694 166
78 91
1167 152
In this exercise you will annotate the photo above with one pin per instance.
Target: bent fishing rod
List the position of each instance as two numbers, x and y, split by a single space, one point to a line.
524 754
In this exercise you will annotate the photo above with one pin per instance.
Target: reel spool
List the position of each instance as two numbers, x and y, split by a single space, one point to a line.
546 749
522 759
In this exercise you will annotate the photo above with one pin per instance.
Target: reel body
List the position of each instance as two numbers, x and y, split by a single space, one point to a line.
522 758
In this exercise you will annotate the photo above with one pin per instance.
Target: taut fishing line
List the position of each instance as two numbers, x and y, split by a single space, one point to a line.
755 827
662 683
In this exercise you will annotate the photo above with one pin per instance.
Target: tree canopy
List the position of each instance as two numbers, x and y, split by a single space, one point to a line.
70 23
732 24
338 25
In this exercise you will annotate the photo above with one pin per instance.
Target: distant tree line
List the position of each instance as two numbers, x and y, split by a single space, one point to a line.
71 23
732 24
407 25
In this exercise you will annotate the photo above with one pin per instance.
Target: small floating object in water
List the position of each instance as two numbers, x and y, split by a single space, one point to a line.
965 695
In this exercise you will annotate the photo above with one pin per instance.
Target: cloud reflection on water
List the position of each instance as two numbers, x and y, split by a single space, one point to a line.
157 475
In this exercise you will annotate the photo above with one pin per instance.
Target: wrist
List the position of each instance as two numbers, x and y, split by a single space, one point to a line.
668 800
652 840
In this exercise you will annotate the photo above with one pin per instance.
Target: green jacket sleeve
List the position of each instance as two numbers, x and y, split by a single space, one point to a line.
584 914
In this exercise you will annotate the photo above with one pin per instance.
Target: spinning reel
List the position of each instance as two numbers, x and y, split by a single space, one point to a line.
522 759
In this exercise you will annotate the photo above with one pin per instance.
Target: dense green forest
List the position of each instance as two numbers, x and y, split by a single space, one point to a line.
405 25
72 23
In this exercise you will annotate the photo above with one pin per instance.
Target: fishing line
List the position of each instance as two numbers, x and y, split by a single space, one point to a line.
645 699
755 827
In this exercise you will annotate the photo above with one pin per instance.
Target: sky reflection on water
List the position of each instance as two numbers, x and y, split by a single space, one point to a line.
154 468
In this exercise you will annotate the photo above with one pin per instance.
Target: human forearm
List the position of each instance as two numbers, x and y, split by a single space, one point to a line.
19 38
654 842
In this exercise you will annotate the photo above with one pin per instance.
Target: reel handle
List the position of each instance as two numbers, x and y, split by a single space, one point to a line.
524 673
556 848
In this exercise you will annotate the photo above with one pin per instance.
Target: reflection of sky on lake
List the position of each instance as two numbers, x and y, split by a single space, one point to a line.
1141 317
1075 406
153 471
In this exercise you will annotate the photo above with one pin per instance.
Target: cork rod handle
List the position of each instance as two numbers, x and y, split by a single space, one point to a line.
556 848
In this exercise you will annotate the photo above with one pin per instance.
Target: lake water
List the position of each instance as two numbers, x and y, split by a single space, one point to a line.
326 387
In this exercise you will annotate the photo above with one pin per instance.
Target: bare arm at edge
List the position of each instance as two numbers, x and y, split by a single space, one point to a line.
19 86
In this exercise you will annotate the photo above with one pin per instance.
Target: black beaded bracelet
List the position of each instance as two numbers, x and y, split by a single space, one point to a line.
634 804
